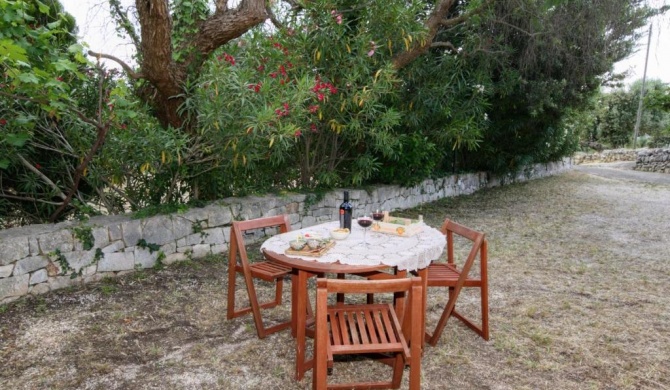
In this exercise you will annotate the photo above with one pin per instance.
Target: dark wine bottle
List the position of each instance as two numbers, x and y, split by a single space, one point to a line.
346 210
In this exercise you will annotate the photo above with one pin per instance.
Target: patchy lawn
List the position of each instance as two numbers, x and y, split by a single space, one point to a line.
579 274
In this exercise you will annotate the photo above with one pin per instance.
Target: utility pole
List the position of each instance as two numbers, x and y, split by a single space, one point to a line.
644 79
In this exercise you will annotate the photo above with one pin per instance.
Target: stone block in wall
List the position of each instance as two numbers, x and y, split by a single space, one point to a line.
79 259
226 234
14 286
214 236
169 248
144 258
38 289
115 246
219 249
191 239
308 220
100 236
201 250
89 270
323 211
219 215
131 232
39 276
61 239
294 208
322 219
6 270
58 282
184 249
197 215
119 261
181 227
157 230
13 249
30 264
33 246
173 258
251 208
115 232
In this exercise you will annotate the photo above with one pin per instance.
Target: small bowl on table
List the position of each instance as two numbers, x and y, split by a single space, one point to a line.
314 243
297 245
340 234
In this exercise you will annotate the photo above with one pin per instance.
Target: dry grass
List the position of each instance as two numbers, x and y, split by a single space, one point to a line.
578 288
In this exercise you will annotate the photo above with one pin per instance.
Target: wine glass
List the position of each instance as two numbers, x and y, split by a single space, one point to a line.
365 222
377 215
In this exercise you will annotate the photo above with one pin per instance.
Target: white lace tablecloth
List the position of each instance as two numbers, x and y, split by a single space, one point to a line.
406 253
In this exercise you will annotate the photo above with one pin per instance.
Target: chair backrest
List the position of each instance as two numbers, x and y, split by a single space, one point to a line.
237 244
409 313
479 244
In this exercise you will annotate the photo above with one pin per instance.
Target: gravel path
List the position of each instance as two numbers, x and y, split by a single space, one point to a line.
623 171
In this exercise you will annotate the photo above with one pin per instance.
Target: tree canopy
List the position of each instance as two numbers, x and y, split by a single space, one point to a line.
268 96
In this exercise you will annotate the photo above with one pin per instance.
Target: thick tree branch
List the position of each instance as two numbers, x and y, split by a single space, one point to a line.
42 176
224 26
436 20
79 172
129 71
28 199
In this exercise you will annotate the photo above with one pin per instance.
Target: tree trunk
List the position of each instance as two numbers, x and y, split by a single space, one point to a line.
166 76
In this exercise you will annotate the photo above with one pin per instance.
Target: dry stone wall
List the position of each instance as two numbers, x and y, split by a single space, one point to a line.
606 156
40 258
653 160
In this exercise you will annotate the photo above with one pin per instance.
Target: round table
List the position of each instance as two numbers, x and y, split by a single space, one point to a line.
349 256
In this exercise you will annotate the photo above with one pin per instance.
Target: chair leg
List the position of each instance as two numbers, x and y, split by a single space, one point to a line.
398 367
279 289
232 276
255 307
484 291
432 340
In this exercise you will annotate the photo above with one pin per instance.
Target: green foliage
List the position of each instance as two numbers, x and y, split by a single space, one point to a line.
611 118
64 265
152 247
85 235
198 228
159 260
303 108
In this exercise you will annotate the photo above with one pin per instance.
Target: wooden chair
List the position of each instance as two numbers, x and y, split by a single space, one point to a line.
238 262
447 274
362 329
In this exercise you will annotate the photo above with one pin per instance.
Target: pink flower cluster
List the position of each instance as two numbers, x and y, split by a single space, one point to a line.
227 57
282 112
255 87
337 16
319 86
280 47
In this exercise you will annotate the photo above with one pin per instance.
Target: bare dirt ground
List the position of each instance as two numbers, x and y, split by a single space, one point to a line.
579 274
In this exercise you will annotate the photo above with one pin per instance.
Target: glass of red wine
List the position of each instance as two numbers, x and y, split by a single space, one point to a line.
377 215
365 222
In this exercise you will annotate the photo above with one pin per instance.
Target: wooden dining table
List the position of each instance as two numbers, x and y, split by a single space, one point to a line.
380 252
